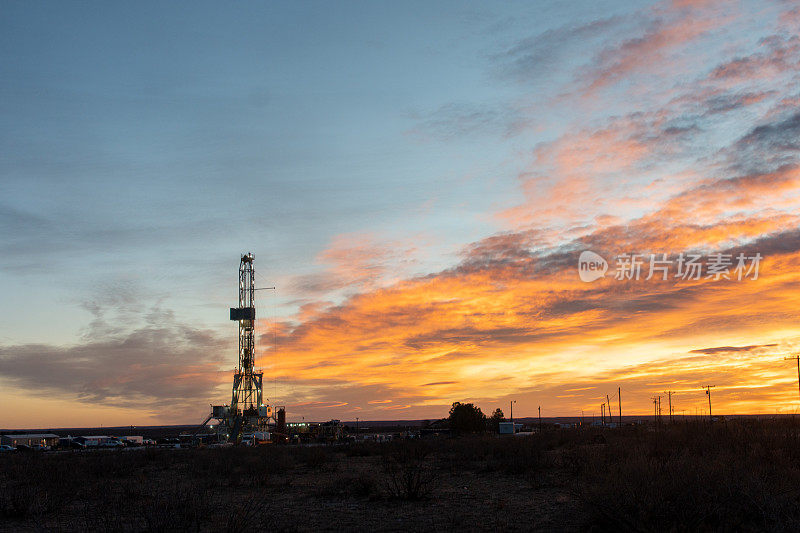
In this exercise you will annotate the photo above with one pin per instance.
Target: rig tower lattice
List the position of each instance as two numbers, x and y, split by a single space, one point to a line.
247 383
247 411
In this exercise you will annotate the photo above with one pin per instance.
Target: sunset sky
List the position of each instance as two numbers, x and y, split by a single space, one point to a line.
418 181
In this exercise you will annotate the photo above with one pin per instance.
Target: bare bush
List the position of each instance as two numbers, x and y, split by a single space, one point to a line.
694 478
244 514
409 475
362 485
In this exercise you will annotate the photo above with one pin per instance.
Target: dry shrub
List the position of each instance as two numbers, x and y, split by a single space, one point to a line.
734 476
364 449
243 515
315 457
410 474
343 486
526 457
18 502
175 508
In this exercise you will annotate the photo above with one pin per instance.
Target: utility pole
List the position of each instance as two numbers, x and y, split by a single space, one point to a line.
669 394
610 417
619 399
357 432
657 409
708 393
603 414
513 428
540 419
796 358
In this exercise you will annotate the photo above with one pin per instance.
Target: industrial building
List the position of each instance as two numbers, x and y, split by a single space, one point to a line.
509 428
30 439
93 440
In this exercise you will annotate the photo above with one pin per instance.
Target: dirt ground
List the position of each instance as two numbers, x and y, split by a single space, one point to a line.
730 476
333 488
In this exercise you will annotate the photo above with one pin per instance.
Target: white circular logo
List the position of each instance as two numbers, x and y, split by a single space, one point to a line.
591 266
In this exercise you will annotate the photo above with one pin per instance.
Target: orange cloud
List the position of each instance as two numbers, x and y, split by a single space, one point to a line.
568 173
513 318
679 23
780 54
491 327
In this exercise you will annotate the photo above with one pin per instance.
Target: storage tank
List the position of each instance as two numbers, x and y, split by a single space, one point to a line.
281 426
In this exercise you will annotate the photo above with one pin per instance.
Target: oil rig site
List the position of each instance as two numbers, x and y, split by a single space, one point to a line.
249 419
247 416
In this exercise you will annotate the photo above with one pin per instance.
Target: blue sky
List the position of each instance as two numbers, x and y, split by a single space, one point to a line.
150 145
349 146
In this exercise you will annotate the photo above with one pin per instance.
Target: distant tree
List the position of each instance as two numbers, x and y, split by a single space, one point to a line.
493 423
466 418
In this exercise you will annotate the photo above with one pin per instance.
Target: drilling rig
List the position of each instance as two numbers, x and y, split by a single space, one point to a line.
247 411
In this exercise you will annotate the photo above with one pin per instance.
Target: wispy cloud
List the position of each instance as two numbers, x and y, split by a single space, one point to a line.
731 349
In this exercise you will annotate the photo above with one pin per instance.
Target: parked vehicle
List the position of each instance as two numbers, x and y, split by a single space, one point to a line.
6 448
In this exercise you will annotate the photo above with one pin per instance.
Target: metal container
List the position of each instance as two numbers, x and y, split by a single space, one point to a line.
243 313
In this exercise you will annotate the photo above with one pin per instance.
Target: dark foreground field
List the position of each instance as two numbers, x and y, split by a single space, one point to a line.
736 475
